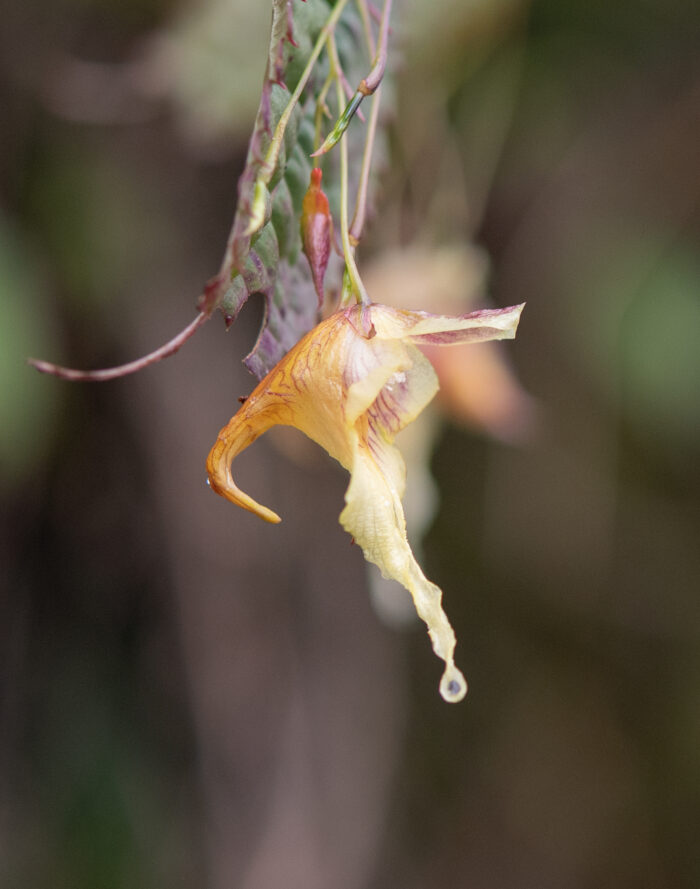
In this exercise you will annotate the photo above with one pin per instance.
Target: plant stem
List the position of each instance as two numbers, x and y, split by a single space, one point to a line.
367 25
348 250
320 109
367 86
358 220
123 370
374 78
270 162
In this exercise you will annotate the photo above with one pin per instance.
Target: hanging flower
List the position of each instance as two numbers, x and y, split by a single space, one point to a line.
478 387
351 385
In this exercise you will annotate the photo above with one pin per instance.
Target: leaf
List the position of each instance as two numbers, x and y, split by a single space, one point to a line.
263 254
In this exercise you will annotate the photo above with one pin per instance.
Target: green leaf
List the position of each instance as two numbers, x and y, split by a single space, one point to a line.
264 253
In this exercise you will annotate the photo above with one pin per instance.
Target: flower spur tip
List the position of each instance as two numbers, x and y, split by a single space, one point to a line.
221 482
232 492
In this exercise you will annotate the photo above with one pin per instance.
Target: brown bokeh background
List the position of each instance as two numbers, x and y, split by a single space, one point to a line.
192 699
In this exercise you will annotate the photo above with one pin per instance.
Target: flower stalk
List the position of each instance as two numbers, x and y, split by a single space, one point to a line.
272 156
122 370
367 86
357 288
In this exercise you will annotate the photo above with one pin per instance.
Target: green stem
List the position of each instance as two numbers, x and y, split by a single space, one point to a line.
358 220
367 86
270 162
374 78
358 287
366 24
320 109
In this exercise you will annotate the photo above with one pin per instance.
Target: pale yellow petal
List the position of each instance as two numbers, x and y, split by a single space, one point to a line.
422 327
406 393
374 516
371 365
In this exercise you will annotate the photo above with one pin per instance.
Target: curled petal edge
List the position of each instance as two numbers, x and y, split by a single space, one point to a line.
445 330
234 438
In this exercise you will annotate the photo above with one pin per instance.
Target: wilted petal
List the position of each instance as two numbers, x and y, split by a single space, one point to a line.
374 516
477 386
445 330
371 366
351 385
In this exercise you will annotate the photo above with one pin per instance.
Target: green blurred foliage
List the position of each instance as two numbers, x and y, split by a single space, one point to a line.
104 217
659 355
27 410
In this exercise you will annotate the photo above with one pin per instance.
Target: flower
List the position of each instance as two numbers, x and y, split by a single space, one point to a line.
351 385
478 387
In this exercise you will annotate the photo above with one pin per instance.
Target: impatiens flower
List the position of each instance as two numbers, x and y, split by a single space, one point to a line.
351 385
477 386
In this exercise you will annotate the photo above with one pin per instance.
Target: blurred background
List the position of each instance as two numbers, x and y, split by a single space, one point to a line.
192 699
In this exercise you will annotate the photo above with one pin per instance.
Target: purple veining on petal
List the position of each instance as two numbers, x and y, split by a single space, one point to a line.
360 358
386 411
486 313
360 319
375 448
366 324
453 337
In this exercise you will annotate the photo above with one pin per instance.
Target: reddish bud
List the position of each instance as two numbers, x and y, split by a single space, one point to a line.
316 230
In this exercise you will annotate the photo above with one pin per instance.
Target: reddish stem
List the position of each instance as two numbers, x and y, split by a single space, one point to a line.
123 370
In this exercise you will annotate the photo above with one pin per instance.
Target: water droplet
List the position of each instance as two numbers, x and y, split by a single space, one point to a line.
453 686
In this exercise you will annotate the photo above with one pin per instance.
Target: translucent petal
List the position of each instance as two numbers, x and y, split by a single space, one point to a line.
374 516
405 394
422 327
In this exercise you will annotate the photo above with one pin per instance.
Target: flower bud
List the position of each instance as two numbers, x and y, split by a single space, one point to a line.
316 230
